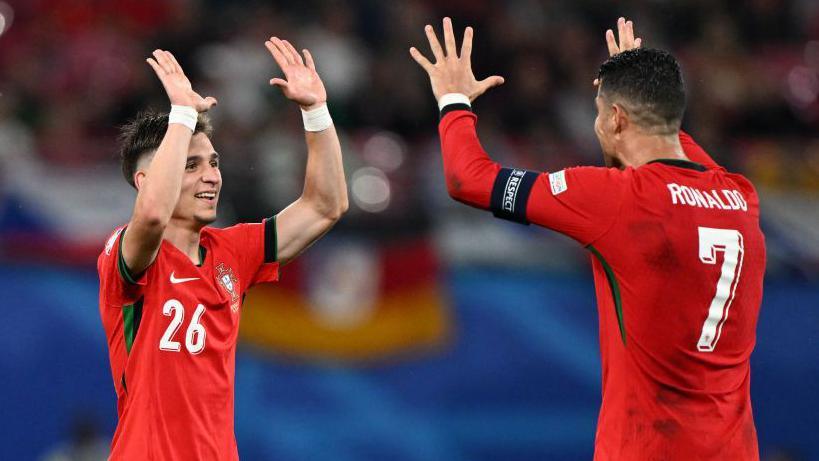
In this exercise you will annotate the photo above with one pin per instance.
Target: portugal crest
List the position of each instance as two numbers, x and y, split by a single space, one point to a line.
230 283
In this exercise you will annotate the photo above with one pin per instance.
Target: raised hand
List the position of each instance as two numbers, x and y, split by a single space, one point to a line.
176 84
451 73
301 82
625 30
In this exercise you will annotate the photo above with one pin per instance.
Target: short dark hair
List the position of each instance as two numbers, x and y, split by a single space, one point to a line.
649 83
143 134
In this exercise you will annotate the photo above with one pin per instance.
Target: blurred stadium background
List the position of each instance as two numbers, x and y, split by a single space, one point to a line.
418 329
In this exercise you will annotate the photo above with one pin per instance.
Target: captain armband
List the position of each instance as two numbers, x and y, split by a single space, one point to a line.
510 194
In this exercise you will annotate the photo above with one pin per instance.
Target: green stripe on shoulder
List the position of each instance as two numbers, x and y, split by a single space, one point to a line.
123 268
615 290
131 317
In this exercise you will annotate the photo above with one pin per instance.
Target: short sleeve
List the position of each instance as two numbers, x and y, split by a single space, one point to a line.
255 245
581 202
117 284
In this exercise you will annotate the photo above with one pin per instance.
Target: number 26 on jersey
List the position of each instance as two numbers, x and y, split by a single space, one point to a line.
194 336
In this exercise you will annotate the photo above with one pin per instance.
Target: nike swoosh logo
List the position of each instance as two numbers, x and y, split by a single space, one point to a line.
176 280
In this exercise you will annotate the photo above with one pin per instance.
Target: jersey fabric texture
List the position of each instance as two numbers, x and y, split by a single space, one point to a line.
172 342
678 260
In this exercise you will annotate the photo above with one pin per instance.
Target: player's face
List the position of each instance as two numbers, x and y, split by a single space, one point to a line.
201 183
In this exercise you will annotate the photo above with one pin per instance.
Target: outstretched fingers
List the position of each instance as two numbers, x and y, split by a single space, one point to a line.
491 82
163 61
293 53
466 46
156 67
308 59
627 40
449 39
621 31
611 42
284 50
625 34
174 63
434 44
279 82
278 56
421 60
210 101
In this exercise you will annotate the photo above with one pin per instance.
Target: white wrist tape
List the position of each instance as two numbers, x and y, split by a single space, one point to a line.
317 119
184 115
453 98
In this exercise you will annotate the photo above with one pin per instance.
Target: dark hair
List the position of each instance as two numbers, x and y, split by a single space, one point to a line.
649 83
143 134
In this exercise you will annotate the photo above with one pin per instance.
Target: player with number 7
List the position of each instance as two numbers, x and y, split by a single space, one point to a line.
676 249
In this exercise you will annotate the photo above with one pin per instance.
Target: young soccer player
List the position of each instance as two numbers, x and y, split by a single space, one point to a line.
171 288
677 252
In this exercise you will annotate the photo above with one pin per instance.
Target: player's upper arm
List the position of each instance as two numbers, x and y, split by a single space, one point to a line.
121 285
695 153
581 202
140 244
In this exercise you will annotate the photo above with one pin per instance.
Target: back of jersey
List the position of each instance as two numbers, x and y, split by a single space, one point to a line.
679 285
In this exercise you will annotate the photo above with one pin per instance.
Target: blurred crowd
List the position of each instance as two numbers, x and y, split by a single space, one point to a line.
72 71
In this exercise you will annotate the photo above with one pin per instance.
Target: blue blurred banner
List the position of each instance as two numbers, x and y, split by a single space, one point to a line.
518 379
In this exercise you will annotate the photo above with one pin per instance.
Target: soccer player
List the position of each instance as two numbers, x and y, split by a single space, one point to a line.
171 288
677 252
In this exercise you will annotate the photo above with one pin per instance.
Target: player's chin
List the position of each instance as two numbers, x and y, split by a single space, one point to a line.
205 217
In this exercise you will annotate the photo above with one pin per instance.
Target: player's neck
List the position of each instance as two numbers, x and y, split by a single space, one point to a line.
184 237
639 149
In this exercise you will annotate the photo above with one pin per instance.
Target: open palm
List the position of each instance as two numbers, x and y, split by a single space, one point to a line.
176 84
452 73
301 82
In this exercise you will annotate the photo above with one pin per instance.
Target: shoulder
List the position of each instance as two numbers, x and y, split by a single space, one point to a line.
745 187
601 172
112 240
741 181
586 178
227 234
236 237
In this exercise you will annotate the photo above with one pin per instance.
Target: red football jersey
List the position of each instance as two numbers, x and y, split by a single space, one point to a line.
172 341
678 260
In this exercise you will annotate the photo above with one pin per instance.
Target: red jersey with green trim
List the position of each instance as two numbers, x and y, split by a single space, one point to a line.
172 342
678 260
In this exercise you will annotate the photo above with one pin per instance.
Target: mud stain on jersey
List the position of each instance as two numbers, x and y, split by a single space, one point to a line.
669 396
659 256
666 427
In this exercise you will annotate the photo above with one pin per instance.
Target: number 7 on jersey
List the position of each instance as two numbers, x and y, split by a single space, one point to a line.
728 241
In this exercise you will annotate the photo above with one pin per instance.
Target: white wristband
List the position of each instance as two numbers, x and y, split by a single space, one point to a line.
184 115
317 119
453 98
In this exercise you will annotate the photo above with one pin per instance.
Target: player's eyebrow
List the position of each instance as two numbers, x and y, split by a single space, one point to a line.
198 158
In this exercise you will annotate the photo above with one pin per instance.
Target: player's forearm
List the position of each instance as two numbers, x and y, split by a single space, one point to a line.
325 188
469 172
162 184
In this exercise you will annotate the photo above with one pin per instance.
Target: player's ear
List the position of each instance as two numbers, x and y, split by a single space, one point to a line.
139 177
619 118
